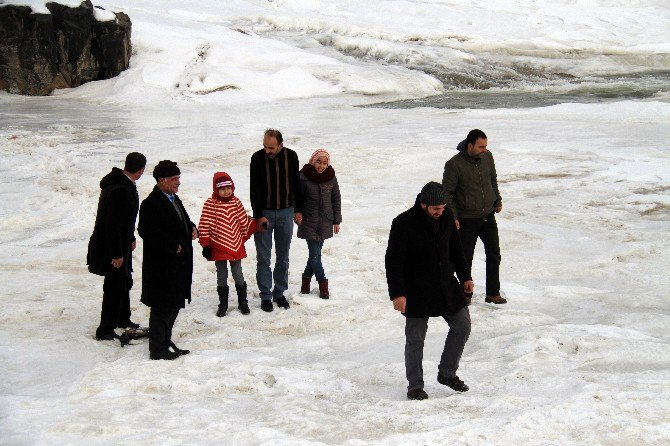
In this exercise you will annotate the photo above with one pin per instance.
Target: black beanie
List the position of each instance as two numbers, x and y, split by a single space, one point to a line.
135 162
433 194
165 169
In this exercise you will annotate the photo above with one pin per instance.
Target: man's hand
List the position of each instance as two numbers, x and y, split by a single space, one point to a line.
336 229
469 286
400 303
116 263
194 234
178 249
498 209
458 224
298 218
133 245
262 224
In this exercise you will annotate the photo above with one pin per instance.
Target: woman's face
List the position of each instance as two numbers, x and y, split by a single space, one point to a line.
321 164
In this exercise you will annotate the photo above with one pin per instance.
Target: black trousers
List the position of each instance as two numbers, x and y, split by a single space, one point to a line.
415 336
487 230
115 300
161 321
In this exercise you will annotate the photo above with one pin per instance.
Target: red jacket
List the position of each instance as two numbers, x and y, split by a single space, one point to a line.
224 224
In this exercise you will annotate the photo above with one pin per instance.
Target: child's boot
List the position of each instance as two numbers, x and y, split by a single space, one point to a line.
242 303
304 288
323 289
223 300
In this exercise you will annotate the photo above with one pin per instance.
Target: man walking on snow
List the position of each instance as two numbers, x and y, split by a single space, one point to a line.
471 184
423 253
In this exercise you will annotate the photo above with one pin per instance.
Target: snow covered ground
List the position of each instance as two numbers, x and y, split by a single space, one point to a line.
578 356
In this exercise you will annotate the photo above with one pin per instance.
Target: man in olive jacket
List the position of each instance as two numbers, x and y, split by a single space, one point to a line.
471 183
112 243
424 251
167 266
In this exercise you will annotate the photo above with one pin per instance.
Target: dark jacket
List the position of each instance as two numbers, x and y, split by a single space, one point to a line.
421 258
166 274
471 184
321 208
114 229
274 182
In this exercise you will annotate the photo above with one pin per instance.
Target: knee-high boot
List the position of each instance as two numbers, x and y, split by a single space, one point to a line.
223 300
242 303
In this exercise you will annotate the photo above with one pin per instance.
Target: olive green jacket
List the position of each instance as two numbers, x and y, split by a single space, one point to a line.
471 185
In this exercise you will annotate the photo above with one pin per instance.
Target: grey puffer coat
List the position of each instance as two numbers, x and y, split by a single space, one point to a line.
321 209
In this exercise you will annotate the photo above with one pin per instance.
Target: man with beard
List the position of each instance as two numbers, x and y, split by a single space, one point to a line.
275 200
112 243
423 253
471 183
167 266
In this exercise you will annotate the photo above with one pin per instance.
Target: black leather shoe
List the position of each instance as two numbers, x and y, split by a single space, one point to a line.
283 303
266 305
417 394
108 335
455 383
179 350
128 324
164 354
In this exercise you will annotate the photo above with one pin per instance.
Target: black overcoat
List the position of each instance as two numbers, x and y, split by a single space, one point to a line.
421 259
166 274
114 229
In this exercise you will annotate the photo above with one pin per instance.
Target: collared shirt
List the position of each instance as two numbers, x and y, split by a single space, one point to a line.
127 176
170 197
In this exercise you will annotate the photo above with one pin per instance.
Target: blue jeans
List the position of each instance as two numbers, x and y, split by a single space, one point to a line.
280 224
314 265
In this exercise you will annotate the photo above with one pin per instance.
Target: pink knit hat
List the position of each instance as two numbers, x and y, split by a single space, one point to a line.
318 153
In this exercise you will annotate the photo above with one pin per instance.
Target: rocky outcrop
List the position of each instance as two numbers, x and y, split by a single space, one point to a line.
67 48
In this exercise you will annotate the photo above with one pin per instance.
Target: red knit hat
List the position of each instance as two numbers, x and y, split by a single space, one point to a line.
221 179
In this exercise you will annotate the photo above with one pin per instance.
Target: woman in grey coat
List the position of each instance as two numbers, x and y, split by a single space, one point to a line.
321 215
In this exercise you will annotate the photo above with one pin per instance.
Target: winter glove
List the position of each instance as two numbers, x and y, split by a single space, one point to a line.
207 252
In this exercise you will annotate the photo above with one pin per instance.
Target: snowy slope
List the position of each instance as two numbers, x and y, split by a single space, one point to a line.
578 356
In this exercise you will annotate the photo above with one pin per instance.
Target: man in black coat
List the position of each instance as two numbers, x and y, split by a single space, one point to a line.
424 251
167 265
112 242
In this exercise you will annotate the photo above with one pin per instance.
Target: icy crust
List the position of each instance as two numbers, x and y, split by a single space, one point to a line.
578 356
39 7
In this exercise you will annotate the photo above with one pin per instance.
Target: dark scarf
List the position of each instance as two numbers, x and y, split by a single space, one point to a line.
312 175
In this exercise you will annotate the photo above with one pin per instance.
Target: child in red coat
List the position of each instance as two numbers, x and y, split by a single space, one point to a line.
224 227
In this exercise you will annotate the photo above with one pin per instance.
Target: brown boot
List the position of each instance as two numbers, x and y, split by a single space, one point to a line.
323 289
495 299
305 287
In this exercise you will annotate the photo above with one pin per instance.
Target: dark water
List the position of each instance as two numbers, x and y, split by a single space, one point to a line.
594 90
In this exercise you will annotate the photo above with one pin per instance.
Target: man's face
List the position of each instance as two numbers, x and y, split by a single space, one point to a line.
137 175
271 146
478 149
169 185
434 212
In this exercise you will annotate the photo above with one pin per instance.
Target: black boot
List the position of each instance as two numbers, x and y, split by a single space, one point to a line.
242 303
223 300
